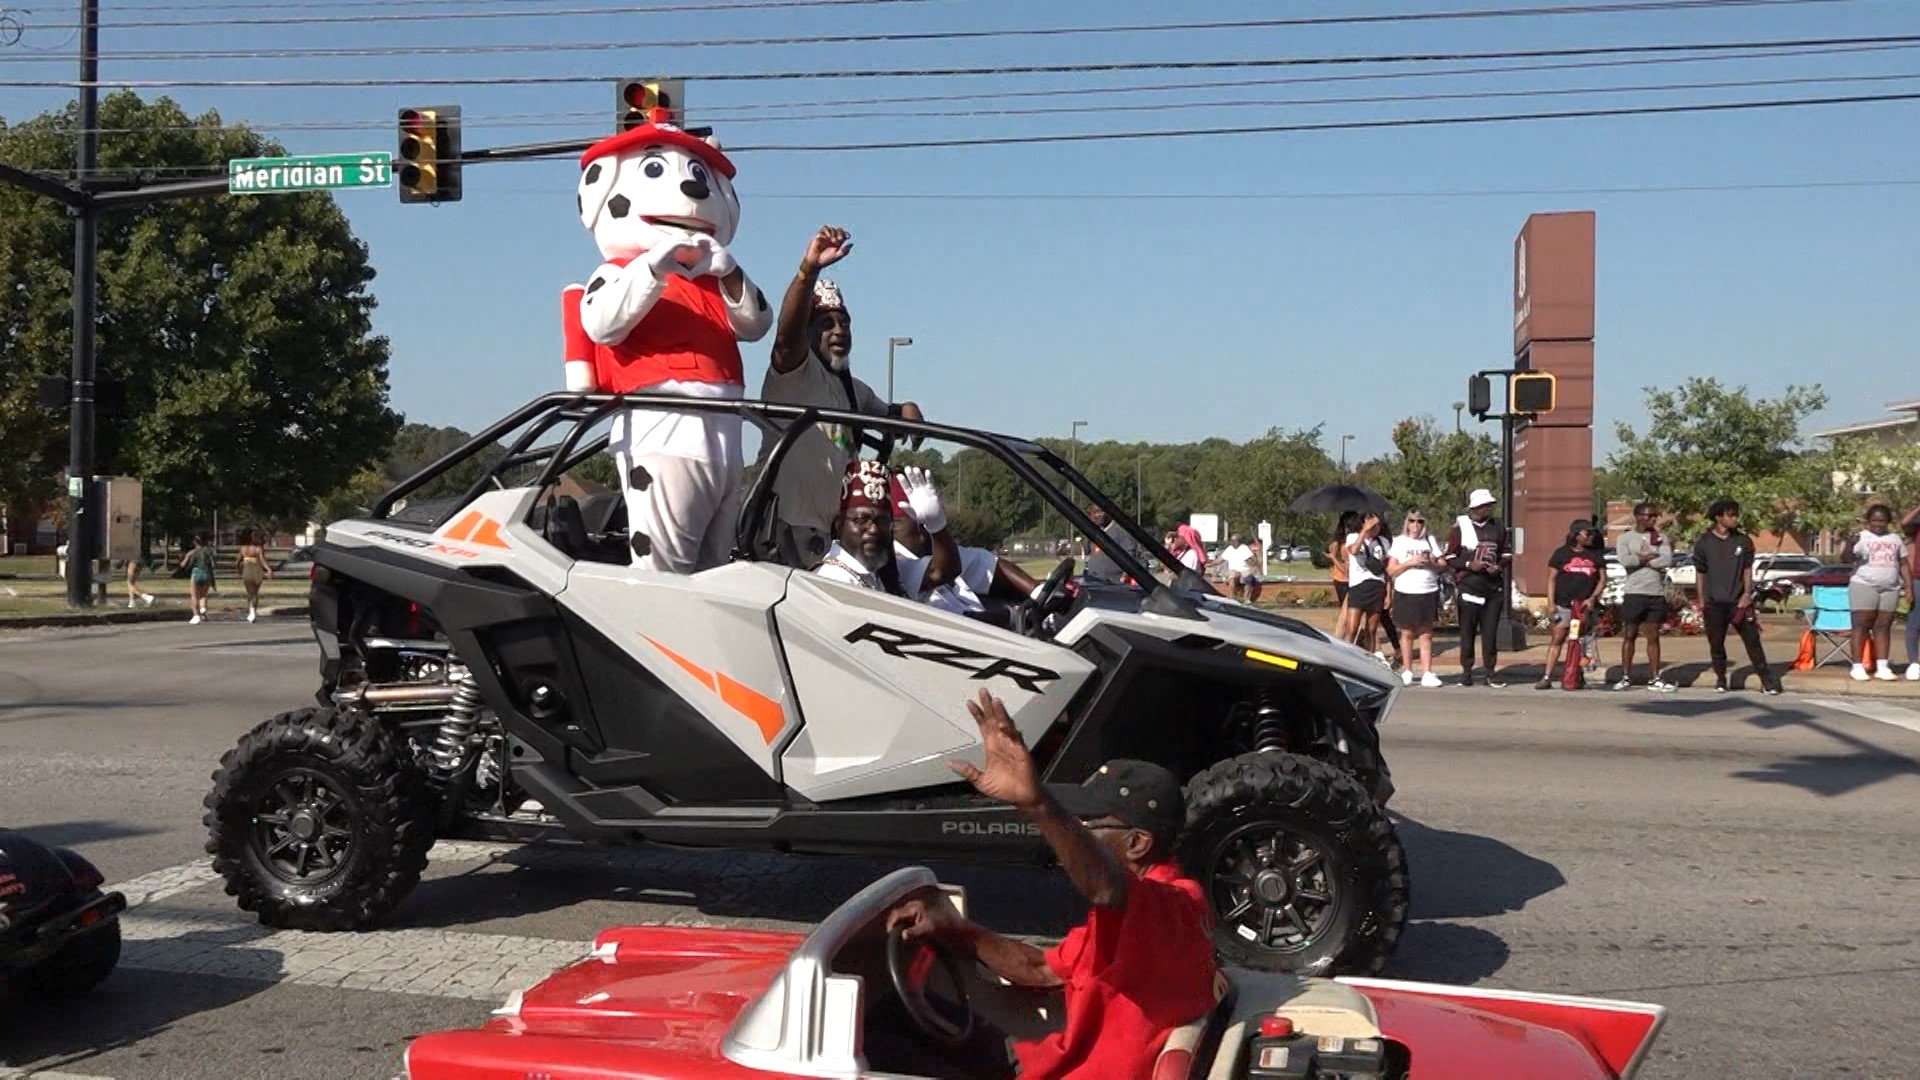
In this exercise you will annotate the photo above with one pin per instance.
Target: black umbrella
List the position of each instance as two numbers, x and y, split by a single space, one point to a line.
1335 498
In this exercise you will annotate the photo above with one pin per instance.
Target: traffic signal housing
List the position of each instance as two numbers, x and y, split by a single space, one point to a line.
429 159
635 99
1479 396
1530 393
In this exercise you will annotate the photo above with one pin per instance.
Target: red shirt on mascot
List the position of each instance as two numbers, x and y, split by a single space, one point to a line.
664 314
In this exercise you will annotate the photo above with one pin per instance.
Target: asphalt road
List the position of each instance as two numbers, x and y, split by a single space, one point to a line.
1750 863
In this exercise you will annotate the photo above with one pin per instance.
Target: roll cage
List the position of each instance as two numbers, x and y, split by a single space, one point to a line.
568 418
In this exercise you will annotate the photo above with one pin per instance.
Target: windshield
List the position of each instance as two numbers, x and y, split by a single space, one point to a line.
1119 538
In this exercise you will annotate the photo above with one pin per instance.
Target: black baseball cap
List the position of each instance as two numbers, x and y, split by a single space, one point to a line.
1140 794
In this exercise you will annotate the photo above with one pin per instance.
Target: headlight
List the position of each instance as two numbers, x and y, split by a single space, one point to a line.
1362 696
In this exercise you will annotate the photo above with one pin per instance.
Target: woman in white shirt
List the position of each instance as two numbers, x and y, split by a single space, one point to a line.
1413 562
1366 553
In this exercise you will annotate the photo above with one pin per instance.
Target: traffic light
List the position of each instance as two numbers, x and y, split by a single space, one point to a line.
1479 396
1530 393
635 99
429 169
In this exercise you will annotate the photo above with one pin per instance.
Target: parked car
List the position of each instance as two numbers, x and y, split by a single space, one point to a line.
1769 567
1779 590
1682 572
298 563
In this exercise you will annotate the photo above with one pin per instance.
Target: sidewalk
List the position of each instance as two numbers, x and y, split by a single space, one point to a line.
1683 657
114 615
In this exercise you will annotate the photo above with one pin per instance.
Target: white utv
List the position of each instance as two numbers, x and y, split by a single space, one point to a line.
493 667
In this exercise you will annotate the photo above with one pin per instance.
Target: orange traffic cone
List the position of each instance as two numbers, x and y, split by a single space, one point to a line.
1804 661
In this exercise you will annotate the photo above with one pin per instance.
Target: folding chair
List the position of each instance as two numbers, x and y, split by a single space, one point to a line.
1830 620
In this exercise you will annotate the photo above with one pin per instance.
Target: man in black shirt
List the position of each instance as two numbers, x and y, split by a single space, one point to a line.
1479 552
1724 557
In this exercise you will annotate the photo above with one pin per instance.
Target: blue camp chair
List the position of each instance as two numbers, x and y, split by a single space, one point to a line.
1831 620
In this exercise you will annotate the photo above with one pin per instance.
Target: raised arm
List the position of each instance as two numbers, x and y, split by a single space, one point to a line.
827 247
944 567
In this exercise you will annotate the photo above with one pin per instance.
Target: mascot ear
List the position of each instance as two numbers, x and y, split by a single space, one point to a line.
596 184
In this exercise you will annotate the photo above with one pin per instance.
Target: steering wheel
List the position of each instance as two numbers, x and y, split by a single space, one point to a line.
909 963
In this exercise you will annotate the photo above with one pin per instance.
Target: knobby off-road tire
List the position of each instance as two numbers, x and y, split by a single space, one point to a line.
1303 870
338 782
79 966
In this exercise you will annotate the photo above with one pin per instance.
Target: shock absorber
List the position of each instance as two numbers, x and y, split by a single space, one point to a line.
1269 724
451 745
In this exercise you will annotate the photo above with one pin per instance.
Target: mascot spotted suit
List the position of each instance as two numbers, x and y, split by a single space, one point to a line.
664 314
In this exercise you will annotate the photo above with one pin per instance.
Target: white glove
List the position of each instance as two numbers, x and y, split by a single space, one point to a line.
664 259
924 498
720 262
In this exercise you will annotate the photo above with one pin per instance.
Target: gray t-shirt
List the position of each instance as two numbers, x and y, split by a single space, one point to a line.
1648 580
809 482
1878 559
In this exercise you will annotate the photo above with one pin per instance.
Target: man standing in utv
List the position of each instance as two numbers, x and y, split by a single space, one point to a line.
810 366
1480 551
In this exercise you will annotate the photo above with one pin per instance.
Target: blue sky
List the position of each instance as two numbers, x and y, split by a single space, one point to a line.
1161 314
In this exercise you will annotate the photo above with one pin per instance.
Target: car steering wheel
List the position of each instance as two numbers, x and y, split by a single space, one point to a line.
909 963
1051 587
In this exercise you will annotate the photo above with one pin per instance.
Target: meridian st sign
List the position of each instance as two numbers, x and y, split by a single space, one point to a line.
319 172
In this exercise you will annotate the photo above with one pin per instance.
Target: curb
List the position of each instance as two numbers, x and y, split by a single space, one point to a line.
127 617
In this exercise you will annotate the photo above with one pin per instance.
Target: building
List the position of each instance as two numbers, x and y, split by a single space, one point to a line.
1900 432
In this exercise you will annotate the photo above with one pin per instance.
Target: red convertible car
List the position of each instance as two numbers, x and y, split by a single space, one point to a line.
852 1000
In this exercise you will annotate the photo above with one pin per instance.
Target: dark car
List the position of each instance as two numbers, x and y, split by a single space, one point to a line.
59 931
1780 589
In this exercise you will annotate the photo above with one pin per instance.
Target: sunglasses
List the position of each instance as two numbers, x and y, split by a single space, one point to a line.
1416 521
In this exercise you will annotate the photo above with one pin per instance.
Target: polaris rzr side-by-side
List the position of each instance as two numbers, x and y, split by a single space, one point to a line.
493 667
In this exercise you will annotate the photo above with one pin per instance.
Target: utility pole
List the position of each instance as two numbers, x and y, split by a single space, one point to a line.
1344 440
81 504
1139 465
1457 407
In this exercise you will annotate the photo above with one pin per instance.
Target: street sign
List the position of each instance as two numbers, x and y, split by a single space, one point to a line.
320 172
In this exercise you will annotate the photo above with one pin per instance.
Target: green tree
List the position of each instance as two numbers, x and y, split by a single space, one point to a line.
1257 480
1865 469
241 327
1706 441
1432 469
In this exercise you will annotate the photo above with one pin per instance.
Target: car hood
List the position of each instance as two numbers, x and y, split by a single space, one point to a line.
644 1002
1254 628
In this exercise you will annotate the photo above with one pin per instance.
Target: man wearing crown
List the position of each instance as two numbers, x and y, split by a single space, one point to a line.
664 314
809 367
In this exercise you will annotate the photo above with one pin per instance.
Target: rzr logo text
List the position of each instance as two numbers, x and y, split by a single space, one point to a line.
902 644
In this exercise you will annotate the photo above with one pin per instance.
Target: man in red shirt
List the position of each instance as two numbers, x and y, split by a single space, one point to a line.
1142 964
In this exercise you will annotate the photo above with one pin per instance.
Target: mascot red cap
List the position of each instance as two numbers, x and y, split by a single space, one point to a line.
664 314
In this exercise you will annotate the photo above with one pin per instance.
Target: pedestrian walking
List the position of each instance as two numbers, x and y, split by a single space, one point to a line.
1723 555
1575 574
1881 575
199 562
135 594
1413 564
252 564
1366 552
1480 551
1645 555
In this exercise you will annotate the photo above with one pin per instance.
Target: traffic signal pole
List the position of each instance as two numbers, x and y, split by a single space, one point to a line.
82 508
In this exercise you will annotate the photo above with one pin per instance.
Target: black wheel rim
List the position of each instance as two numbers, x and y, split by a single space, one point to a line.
1274 888
304 827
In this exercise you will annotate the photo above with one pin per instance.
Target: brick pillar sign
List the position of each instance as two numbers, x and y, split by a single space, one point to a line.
1553 332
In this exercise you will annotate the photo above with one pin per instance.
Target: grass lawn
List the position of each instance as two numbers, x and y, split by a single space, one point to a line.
33 590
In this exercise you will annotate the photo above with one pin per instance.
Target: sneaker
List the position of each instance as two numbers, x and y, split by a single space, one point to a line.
1858 673
1406 678
1913 672
130 602
1431 681
1495 681
1773 688
1545 683
249 614
1625 683
1884 673
193 621
1661 686
147 599
1466 678
1719 684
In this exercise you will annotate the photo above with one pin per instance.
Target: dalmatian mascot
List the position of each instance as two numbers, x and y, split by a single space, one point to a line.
664 314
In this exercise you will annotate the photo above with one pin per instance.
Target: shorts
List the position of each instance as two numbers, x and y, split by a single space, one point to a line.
1368 597
1244 577
1416 612
1639 608
1339 592
1862 596
1562 616
202 579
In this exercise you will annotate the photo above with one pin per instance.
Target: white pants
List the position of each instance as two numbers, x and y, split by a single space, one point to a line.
680 473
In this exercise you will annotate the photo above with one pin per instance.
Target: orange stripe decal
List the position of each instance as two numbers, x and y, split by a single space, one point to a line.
764 711
464 527
755 706
488 534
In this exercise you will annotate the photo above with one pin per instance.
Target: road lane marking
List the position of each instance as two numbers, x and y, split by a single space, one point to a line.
1885 712
7 1073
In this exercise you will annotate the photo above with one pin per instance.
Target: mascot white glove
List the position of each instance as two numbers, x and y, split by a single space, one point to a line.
924 498
688 258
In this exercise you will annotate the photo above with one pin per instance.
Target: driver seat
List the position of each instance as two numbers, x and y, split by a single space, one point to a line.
1179 1056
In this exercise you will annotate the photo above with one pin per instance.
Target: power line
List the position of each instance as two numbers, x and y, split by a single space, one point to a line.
571 118
1004 70
1256 129
910 36
1625 6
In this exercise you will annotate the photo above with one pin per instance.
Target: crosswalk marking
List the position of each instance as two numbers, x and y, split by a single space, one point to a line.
1885 712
